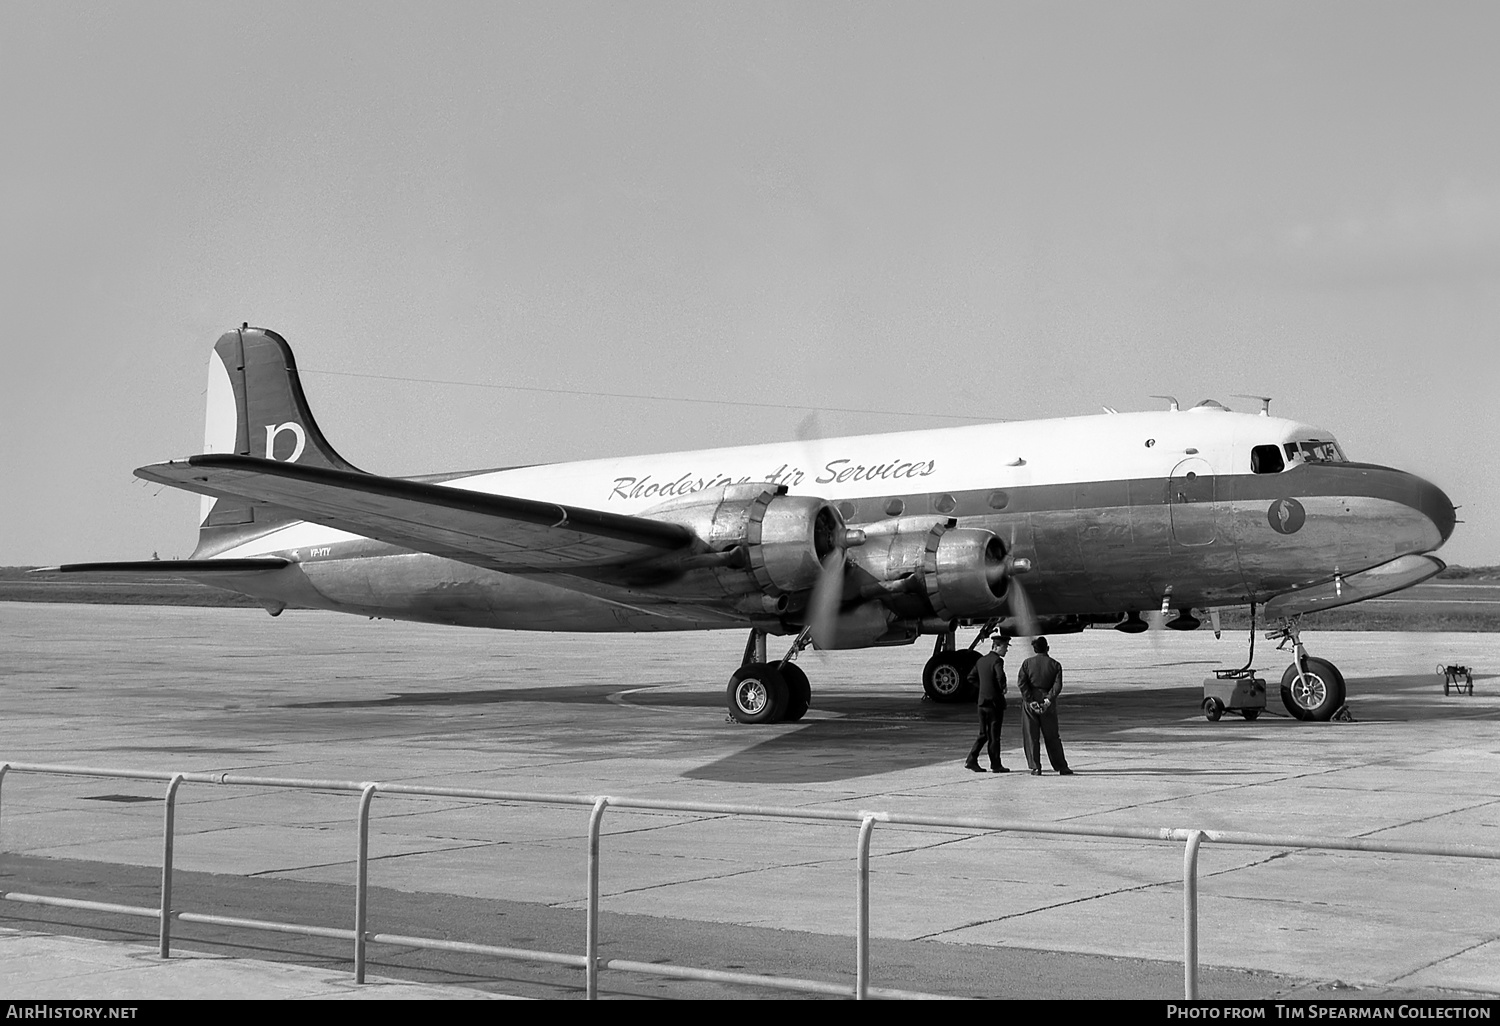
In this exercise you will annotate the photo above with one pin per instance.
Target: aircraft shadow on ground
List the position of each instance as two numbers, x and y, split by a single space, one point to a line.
892 727
879 735
884 734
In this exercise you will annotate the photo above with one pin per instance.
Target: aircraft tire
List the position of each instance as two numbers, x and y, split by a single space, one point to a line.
1318 695
799 692
969 657
757 693
945 677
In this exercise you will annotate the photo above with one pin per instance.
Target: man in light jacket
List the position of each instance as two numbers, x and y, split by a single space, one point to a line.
1040 682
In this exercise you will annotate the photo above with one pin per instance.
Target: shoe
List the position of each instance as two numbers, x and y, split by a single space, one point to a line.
1036 773
998 769
974 766
1065 772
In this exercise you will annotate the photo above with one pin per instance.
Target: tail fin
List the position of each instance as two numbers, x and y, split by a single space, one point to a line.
256 407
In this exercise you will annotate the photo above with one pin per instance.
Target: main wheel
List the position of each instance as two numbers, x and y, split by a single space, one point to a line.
1314 695
799 692
967 659
945 677
757 693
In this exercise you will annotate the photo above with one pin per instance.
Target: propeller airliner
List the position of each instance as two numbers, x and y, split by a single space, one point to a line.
837 543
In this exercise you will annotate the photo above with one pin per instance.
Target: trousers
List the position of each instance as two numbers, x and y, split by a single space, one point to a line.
1046 724
991 719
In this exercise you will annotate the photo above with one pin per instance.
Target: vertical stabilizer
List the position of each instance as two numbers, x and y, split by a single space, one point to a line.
256 407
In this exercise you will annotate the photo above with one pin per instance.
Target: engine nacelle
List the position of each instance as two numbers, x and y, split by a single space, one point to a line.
961 571
785 538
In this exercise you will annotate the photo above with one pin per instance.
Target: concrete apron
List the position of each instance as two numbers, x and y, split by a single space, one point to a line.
316 695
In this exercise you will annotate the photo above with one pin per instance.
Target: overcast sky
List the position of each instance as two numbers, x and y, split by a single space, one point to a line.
1000 210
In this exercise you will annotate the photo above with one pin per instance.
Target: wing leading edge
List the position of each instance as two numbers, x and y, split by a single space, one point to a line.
497 532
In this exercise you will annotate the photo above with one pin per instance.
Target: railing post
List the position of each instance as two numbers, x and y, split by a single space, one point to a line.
3 767
862 916
591 934
361 881
169 830
1190 916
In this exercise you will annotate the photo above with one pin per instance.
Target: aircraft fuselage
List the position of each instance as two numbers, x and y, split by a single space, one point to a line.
1113 511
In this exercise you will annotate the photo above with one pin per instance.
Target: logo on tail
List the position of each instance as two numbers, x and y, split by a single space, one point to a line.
300 436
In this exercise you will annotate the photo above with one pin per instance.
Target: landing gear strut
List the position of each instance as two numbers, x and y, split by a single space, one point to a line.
1311 689
769 692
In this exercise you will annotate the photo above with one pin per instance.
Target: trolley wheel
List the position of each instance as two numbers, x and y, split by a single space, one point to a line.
1213 709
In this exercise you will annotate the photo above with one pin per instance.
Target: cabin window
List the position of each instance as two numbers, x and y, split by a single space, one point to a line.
895 508
847 509
998 500
1266 459
945 503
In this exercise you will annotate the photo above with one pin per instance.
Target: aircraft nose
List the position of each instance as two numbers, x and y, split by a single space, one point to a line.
1438 508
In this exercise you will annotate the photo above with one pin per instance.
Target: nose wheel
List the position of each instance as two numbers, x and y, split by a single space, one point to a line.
1311 688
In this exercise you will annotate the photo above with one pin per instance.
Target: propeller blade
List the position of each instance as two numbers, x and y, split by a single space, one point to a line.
1157 618
827 596
1213 618
1016 597
1020 607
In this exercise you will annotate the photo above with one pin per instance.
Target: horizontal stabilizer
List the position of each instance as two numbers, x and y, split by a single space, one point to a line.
170 567
1399 573
497 532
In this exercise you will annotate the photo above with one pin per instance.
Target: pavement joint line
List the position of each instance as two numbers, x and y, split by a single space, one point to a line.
811 863
350 863
1056 905
1438 961
1427 819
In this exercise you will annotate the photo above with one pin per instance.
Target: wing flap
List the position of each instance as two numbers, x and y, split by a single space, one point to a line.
497 532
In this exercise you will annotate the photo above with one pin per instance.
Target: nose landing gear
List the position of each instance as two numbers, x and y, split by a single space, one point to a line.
1311 689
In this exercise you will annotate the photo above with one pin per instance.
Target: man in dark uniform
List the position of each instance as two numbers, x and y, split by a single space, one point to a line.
991 673
1040 682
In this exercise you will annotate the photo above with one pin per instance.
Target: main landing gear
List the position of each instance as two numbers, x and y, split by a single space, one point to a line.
769 692
945 678
1311 689
777 691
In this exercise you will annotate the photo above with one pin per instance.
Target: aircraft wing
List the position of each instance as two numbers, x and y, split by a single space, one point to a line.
497 532
171 567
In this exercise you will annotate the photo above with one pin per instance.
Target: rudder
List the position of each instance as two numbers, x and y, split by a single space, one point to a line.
256 407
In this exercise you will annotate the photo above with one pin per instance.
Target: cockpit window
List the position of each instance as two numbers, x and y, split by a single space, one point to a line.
1314 452
1266 459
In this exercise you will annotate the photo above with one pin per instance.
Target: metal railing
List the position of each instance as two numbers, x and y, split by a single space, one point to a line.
589 961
